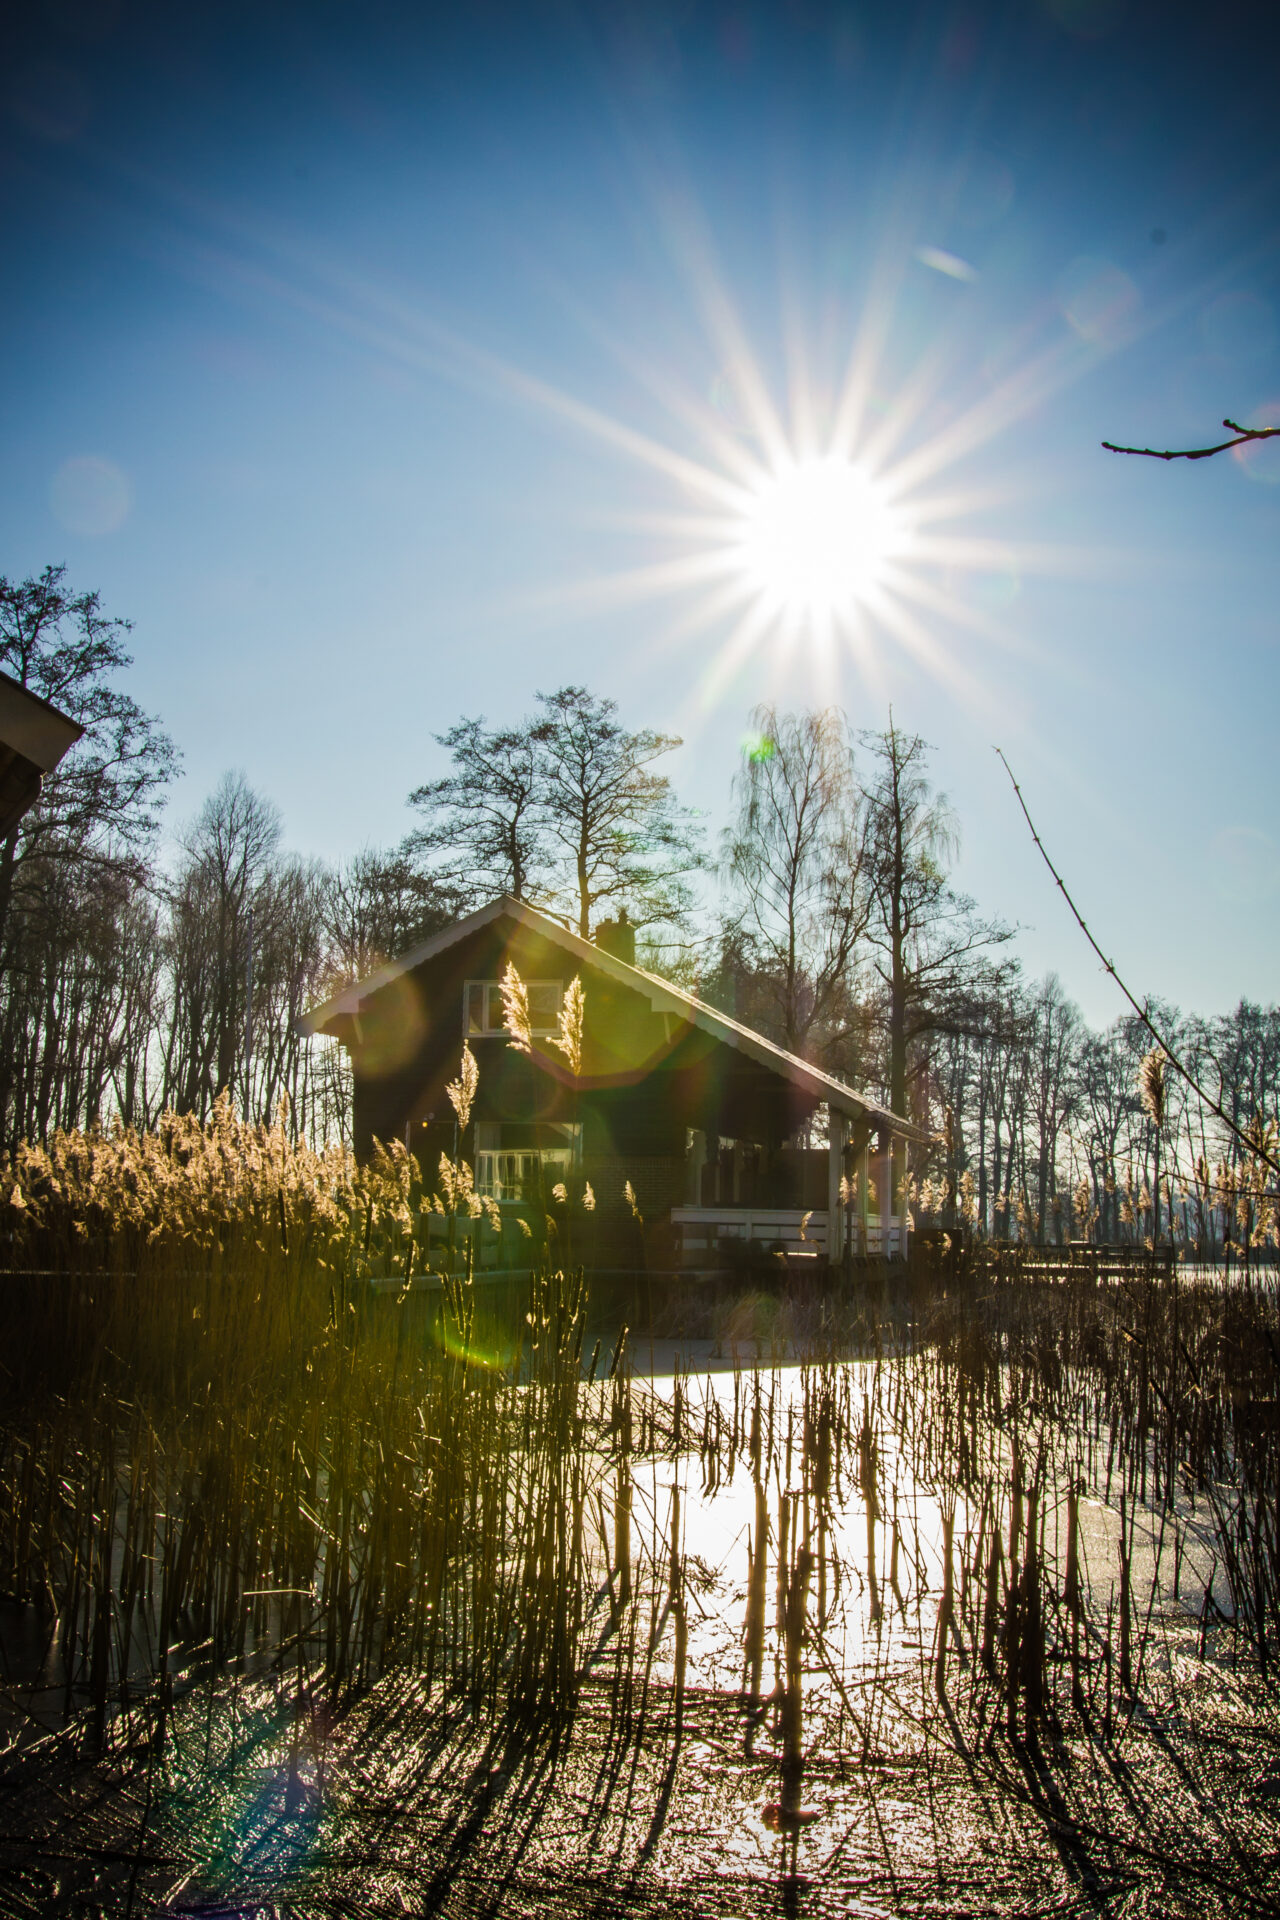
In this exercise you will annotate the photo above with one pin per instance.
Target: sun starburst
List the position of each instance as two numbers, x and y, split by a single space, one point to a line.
820 521
819 536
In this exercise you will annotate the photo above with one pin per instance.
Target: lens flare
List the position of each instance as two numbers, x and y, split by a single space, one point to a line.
487 1347
90 496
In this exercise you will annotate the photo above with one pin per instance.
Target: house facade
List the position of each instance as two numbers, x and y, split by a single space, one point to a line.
701 1117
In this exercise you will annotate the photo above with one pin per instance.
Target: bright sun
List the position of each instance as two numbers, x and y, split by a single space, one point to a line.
819 536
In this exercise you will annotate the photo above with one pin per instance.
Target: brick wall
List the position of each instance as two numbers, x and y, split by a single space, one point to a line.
617 1239
658 1180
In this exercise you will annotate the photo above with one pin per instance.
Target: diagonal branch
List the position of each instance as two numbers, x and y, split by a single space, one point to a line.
1250 1145
1243 436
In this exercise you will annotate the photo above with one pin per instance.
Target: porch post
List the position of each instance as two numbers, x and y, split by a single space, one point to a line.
695 1160
864 1192
837 1133
884 1191
897 1166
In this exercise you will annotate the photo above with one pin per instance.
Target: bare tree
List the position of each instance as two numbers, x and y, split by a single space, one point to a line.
976 1065
377 906
616 833
78 995
290 971
484 830
797 862
1053 1087
71 869
227 856
924 933
1243 1138
1107 1092
1244 1048
103 802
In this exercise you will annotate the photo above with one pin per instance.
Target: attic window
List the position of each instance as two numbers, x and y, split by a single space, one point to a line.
483 1013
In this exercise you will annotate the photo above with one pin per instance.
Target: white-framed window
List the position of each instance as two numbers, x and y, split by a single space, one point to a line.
524 1173
482 1010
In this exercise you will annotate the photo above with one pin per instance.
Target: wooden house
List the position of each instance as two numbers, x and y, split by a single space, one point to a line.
703 1117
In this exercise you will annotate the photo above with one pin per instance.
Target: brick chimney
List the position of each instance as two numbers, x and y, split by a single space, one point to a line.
617 937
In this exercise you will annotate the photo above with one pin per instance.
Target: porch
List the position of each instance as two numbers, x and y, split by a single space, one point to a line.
836 1202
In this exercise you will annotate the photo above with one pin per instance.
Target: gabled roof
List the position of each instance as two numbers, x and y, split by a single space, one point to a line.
662 997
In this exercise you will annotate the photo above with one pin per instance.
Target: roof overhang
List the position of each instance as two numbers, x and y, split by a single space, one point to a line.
662 997
33 738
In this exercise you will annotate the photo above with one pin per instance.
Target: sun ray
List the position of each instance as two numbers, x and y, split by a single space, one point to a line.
923 592
702 616
978 553
686 408
753 626
724 329
869 345
803 404
910 402
1013 399
942 665
633 586
806 530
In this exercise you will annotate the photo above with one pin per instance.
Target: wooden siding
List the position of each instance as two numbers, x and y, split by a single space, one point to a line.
647 1077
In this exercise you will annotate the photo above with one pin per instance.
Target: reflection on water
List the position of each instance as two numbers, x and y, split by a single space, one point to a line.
791 1488
809 1581
854 1552
782 1495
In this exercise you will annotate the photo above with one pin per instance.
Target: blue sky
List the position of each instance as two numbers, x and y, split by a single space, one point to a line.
374 362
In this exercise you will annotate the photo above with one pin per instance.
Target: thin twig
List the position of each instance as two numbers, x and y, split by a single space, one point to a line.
1252 1146
1243 436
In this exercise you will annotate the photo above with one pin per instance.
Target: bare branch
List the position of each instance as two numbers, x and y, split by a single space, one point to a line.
1243 436
1161 1039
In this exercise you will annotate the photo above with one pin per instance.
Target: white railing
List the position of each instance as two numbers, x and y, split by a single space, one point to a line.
701 1229
875 1242
797 1230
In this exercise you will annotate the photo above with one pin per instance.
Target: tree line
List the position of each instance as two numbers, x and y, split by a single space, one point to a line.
138 976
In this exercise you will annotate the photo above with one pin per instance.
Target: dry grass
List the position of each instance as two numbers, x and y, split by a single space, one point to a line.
1003 1612
219 1438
